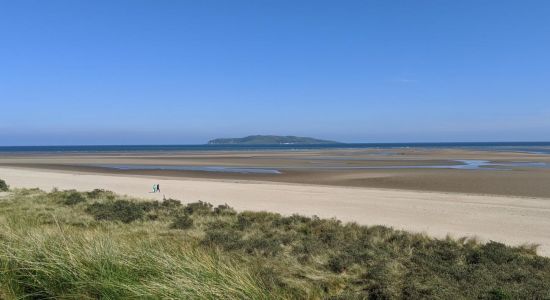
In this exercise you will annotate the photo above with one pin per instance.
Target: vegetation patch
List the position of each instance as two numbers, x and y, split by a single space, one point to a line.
182 222
120 210
73 198
100 194
51 248
224 209
3 186
198 208
67 197
171 203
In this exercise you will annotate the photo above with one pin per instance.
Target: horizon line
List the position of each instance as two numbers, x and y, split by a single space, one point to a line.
320 144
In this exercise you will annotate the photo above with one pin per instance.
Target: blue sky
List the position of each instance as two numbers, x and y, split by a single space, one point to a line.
183 72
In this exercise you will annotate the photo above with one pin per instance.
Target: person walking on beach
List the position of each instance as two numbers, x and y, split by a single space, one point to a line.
154 188
158 187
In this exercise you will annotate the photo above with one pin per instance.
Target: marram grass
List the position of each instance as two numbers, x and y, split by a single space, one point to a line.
98 245
68 263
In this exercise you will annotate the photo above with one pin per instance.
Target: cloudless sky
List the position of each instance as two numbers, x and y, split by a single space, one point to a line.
183 72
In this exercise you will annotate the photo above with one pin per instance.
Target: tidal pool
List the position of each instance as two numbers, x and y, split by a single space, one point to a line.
243 170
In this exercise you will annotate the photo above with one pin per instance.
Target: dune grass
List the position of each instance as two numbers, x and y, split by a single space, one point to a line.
89 245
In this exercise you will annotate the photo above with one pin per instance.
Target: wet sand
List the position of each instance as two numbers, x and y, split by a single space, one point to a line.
325 167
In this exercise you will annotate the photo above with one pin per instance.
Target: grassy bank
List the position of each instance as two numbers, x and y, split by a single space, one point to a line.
67 244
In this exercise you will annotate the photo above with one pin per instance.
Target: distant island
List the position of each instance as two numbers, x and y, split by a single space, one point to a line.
269 140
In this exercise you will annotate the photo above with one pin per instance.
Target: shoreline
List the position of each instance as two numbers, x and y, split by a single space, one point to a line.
194 176
521 182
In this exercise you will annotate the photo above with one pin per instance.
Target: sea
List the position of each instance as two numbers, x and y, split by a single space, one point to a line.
523 147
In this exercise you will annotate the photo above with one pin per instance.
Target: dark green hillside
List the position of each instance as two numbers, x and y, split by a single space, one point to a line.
269 140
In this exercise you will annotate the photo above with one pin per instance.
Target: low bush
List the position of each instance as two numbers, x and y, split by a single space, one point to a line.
248 218
226 238
224 209
339 263
100 194
73 198
3 186
498 294
171 203
67 197
119 210
198 208
182 222
265 245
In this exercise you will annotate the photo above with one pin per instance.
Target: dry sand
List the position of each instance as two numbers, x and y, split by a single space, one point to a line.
513 220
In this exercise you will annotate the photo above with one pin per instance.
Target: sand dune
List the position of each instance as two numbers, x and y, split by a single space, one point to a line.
512 220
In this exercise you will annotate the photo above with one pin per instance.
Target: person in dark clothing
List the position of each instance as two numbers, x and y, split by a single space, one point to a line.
158 187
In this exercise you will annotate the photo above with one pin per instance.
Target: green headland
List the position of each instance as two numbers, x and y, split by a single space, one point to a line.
269 140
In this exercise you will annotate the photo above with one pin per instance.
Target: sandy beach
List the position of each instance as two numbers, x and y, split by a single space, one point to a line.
409 169
513 220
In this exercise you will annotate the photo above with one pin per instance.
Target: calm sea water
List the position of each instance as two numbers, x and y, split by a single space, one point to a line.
528 147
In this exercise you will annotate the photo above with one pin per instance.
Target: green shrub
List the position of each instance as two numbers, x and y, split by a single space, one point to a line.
292 221
497 253
73 198
498 294
198 208
119 210
67 197
100 194
60 196
384 280
3 186
182 222
265 245
147 205
171 203
219 223
338 263
248 218
224 209
226 238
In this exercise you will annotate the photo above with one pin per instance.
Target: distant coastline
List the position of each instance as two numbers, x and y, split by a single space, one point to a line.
270 140
527 147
